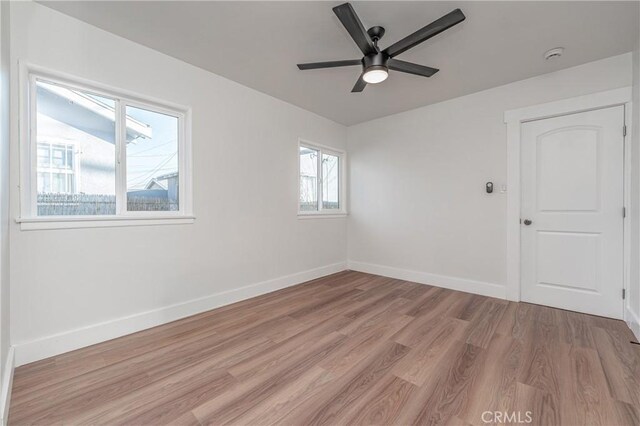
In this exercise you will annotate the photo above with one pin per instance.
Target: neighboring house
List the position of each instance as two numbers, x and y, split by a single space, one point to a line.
164 187
167 182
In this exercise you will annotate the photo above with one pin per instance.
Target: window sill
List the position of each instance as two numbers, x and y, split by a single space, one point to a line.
36 223
321 215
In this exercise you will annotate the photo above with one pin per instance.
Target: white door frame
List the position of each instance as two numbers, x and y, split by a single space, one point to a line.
514 119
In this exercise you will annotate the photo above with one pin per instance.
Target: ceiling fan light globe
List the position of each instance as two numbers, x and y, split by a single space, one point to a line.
375 75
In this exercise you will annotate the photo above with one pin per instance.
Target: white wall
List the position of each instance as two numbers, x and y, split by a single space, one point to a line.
244 142
418 209
5 370
633 302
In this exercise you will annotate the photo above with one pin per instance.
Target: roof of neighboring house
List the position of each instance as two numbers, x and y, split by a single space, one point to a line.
167 176
154 184
86 113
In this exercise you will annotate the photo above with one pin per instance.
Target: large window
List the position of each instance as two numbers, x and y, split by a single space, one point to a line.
101 155
321 182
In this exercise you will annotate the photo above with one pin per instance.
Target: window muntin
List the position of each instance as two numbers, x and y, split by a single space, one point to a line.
320 180
81 139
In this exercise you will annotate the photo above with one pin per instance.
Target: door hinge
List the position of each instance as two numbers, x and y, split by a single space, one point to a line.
624 293
624 212
624 130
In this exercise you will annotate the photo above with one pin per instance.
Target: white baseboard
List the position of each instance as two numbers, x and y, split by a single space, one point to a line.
633 321
453 283
26 352
7 384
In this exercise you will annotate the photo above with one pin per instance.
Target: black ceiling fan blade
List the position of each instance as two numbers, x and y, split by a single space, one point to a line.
329 64
360 85
411 68
351 22
425 33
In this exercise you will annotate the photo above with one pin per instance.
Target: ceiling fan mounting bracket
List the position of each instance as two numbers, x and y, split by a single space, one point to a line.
376 33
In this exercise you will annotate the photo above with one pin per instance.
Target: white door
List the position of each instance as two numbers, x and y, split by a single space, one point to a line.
572 212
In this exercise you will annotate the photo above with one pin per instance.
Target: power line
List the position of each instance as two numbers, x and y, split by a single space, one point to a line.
146 156
148 175
153 147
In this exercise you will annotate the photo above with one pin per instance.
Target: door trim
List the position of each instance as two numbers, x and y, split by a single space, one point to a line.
513 120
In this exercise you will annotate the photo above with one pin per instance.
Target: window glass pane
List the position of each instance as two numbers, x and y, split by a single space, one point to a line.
58 157
43 182
75 134
308 179
330 182
44 158
69 160
59 183
152 161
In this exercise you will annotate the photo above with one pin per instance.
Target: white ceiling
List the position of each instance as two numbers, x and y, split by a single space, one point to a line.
259 43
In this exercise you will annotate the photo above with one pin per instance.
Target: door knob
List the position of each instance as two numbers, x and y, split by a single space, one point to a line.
528 222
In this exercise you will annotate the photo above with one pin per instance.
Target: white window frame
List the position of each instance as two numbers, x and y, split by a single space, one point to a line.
342 186
28 218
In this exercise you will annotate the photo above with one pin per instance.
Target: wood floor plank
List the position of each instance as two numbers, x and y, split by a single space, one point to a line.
515 321
620 364
382 404
374 315
232 405
360 345
495 387
541 407
349 348
588 387
329 407
484 322
162 401
445 395
273 409
575 329
286 351
472 305
540 367
419 365
430 301
626 414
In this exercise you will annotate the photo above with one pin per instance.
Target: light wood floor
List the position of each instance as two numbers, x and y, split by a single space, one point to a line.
351 348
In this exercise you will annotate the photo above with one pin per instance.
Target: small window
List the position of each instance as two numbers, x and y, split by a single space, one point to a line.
104 155
321 186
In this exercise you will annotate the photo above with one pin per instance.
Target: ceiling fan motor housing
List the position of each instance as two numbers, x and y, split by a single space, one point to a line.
375 61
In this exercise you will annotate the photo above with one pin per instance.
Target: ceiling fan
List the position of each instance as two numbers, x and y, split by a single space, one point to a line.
376 63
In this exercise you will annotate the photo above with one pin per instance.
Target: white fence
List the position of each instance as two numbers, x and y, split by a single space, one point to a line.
97 204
